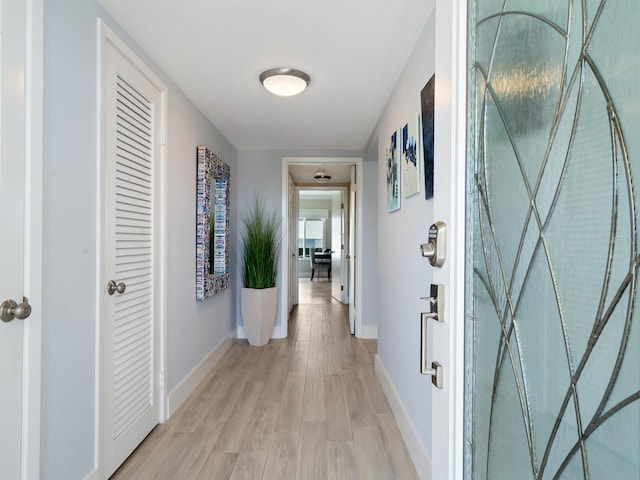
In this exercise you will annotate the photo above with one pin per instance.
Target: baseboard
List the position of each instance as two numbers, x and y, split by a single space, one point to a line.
92 475
415 446
181 392
278 332
368 331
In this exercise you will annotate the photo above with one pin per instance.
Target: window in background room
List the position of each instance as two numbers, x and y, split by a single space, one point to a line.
311 230
310 235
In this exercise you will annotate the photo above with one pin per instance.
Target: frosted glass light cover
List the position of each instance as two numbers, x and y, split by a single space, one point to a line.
285 82
285 85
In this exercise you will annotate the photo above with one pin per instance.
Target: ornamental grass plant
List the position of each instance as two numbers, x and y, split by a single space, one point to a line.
261 241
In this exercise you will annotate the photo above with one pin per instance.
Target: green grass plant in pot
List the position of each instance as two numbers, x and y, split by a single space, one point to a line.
261 239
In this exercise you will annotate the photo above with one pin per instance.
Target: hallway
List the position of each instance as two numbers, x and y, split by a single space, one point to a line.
306 407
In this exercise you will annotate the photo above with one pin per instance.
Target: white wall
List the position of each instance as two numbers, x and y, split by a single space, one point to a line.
260 171
403 275
69 250
194 328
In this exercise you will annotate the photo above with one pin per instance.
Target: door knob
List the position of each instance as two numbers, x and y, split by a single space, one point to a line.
112 287
10 310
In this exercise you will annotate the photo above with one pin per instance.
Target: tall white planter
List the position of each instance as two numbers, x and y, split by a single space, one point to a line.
258 308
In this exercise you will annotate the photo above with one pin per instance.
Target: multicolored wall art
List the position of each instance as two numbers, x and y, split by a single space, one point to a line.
212 224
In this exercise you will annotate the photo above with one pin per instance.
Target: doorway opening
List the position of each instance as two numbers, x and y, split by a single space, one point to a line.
322 236
324 221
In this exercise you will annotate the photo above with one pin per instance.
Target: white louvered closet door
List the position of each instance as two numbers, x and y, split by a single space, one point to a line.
130 367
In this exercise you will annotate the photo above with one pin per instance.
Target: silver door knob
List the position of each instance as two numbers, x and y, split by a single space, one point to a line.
113 287
10 310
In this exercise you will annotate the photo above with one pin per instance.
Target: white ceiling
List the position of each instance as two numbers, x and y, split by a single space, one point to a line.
214 50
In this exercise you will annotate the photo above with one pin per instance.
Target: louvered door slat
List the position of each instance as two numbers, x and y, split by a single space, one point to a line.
134 169
133 327
131 122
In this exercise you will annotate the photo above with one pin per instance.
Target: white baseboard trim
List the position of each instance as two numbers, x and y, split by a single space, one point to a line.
92 475
415 446
181 392
368 331
278 332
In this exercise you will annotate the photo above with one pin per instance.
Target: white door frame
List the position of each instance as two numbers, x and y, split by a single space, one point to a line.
447 342
284 256
32 332
107 37
344 192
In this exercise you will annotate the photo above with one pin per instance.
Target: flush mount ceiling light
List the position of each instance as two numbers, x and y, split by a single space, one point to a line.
321 177
284 81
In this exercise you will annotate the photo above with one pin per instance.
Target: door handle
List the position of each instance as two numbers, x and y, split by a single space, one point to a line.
10 310
436 301
436 369
112 287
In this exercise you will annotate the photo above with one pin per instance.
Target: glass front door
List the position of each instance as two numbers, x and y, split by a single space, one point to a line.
553 321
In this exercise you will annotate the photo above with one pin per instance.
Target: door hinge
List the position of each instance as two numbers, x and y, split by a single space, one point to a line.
342 288
342 206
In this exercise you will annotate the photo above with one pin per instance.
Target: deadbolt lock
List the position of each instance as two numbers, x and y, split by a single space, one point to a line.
435 248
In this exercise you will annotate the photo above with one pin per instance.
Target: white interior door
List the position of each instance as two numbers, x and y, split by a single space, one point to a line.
352 254
12 175
20 214
132 124
337 245
293 244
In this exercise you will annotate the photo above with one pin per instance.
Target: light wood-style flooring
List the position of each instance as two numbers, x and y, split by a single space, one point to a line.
305 407
315 293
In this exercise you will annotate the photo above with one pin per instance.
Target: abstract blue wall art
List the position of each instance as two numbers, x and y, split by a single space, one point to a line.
410 153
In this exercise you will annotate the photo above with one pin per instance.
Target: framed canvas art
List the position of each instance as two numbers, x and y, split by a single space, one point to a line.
410 153
393 173
427 99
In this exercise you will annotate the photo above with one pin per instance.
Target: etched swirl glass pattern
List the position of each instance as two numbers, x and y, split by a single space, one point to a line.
553 334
